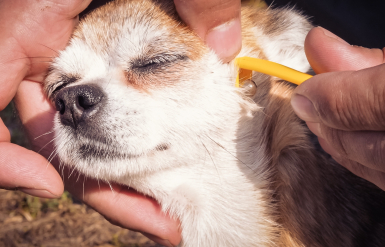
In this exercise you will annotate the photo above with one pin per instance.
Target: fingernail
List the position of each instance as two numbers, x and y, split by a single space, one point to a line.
315 128
304 108
38 193
333 36
161 241
226 39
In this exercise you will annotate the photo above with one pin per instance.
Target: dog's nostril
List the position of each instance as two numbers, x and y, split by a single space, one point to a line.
82 103
78 103
88 101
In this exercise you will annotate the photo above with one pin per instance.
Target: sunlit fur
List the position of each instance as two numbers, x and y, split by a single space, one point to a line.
236 171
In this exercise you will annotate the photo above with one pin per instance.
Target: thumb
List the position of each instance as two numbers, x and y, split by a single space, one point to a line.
31 34
217 22
29 172
327 52
348 100
26 170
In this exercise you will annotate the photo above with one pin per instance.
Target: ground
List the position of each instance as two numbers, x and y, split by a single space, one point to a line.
30 221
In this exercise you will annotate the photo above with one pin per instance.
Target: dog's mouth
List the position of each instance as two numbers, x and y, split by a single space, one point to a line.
88 151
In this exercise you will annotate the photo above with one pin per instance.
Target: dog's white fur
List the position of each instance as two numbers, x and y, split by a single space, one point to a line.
212 170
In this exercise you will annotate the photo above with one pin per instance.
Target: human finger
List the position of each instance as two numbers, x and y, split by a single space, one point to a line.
217 22
364 147
371 175
327 52
31 33
5 136
29 172
127 208
351 100
26 170
28 28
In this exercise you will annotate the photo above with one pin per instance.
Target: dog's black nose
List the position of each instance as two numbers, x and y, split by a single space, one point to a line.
78 104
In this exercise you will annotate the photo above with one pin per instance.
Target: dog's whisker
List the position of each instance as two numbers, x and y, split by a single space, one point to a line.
73 169
84 180
21 58
79 174
221 146
47 133
52 156
212 160
57 52
53 139
112 189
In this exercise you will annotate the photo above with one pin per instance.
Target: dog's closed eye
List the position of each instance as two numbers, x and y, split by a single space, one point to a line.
158 62
64 81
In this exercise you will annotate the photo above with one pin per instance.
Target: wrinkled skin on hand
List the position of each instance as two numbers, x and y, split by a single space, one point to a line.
344 105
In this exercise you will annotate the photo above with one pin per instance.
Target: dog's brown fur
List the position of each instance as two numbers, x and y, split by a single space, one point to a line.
319 202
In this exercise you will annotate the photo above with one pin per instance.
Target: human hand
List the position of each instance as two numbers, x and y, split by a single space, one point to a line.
31 33
346 108
25 35
217 22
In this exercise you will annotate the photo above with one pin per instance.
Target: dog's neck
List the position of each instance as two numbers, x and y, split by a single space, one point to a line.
229 166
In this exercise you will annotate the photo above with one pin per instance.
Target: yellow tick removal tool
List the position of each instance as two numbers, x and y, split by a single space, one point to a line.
247 64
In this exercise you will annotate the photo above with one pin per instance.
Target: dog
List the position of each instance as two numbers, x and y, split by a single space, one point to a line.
142 101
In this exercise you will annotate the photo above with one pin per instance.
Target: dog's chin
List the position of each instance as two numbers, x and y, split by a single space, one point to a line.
94 144
88 151
111 162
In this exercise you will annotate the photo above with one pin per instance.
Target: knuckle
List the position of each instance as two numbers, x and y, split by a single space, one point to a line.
380 181
376 153
377 108
337 139
356 168
356 101
367 148
335 107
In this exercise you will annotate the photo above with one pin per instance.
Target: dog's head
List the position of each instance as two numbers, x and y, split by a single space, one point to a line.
136 90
